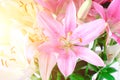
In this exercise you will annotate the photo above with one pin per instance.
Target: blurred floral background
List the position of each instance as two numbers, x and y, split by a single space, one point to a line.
59 40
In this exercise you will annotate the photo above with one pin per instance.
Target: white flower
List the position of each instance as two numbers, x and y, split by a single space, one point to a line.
113 52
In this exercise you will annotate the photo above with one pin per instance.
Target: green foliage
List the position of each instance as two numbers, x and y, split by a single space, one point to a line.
112 42
92 68
33 77
105 73
103 56
111 70
76 77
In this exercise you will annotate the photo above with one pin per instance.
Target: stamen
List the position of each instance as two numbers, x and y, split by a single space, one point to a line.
62 39
2 62
13 50
25 6
12 59
21 3
36 60
6 64
32 5
68 35
66 42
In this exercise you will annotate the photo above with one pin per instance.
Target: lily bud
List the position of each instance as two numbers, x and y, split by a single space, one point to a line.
84 9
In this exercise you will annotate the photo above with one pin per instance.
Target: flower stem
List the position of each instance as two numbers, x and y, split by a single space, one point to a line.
65 78
86 70
104 52
94 45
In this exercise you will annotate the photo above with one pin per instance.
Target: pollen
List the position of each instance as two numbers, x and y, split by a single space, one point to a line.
80 39
70 33
68 45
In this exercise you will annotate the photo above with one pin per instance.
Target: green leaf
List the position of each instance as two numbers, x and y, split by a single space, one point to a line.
76 77
107 76
99 77
92 67
112 42
58 76
103 56
111 70
33 77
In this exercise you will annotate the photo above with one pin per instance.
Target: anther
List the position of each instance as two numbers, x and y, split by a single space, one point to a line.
80 39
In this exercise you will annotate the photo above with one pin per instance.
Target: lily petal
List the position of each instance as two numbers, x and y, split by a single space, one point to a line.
100 10
87 32
101 1
66 62
116 37
70 18
51 26
49 4
109 33
47 60
116 27
46 63
88 56
114 9
78 3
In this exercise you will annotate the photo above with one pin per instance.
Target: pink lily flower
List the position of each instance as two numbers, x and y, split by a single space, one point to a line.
102 1
112 17
52 5
58 7
66 41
